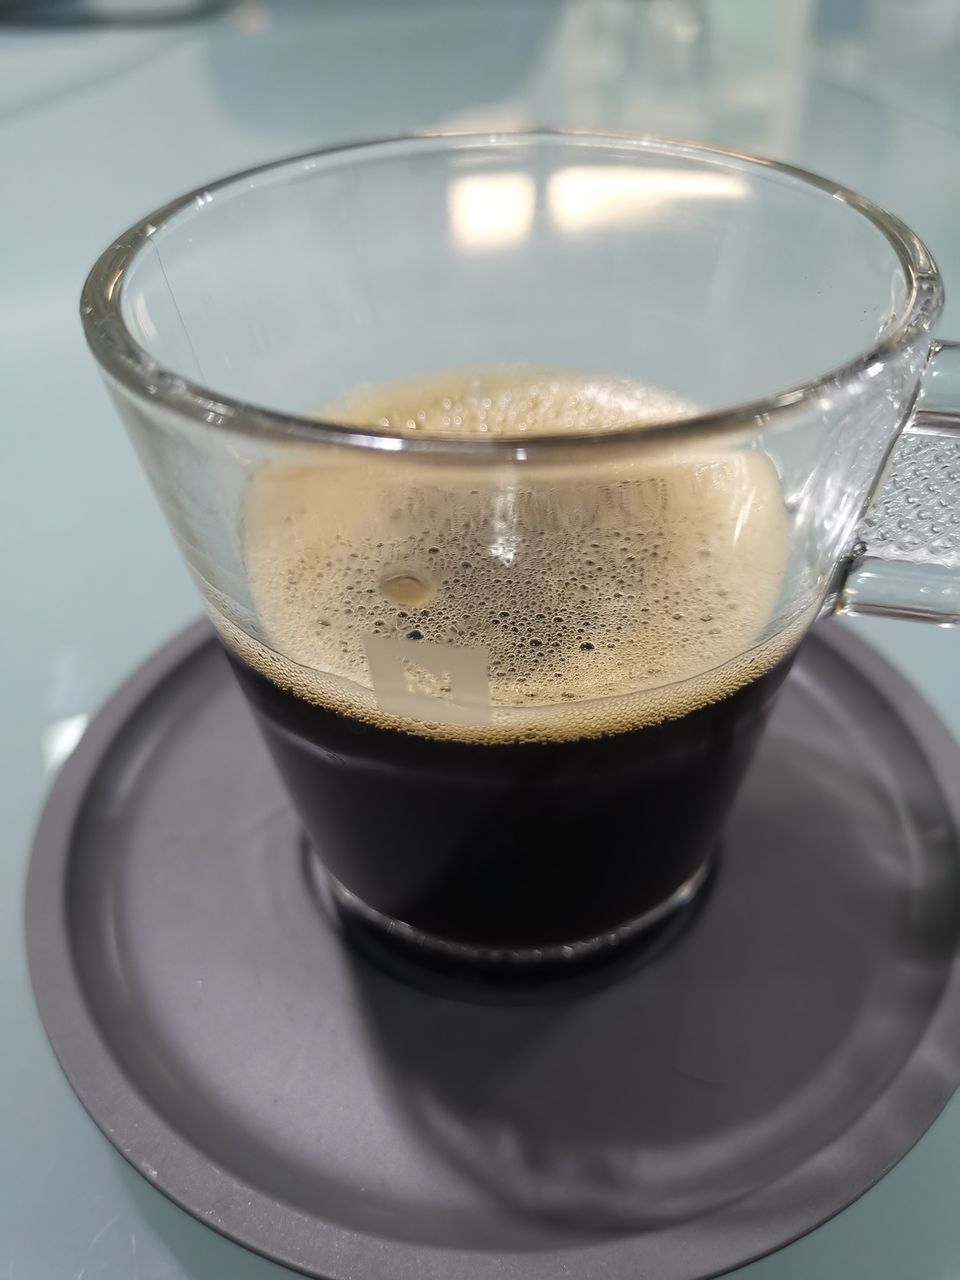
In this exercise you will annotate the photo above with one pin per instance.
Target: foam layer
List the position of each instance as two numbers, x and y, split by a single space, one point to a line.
508 403
601 597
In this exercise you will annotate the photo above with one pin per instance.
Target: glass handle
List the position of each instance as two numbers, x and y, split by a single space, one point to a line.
906 562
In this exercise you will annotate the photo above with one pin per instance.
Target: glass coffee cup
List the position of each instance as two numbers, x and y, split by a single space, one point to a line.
513 471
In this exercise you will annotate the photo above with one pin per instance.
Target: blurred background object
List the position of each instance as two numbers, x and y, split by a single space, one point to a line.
80 13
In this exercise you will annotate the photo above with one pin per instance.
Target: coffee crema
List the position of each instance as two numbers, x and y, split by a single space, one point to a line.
601 597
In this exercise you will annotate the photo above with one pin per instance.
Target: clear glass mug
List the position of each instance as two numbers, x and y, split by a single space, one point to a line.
512 634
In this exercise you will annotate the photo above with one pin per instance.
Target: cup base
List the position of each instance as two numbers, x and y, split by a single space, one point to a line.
527 960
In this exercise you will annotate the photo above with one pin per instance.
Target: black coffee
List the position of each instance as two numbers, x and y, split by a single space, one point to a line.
526 844
513 706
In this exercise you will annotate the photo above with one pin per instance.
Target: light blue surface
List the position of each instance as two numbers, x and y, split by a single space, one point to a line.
96 128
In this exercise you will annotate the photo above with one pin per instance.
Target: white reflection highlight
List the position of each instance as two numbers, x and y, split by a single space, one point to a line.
581 198
489 211
59 739
503 518
143 317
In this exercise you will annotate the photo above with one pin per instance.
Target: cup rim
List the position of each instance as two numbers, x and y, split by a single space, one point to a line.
130 364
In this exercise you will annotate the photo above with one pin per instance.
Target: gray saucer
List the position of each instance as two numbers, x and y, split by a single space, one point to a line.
720 1093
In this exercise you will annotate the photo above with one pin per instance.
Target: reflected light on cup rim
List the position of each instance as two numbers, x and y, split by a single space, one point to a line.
147 328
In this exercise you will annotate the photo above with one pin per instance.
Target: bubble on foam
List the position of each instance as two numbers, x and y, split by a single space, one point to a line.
604 595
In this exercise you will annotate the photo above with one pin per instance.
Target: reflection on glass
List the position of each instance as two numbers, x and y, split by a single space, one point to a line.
490 211
582 198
